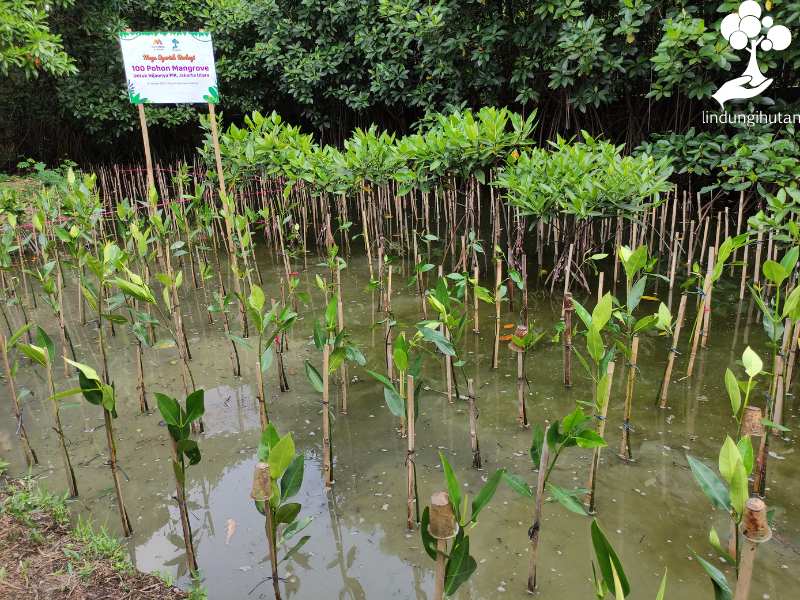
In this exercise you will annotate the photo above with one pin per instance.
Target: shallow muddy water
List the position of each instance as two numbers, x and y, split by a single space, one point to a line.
652 510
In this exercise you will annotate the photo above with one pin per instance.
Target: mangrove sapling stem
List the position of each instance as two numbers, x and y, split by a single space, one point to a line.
411 457
30 453
673 351
475 307
498 281
522 415
778 383
567 271
567 310
140 386
601 429
180 493
534 532
340 320
72 483
112 461
473 425
327 467
756 531
743 281
625 443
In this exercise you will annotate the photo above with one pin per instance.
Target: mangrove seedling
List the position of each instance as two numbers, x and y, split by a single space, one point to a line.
179 420
608 574
448 518
336 349
43 353
728 493
546 448
10 368
104 395
277 478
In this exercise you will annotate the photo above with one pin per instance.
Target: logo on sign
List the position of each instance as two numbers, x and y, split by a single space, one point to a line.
175 43
747 29
158 44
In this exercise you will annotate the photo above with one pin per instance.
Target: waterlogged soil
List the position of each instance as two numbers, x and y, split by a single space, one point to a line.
652 510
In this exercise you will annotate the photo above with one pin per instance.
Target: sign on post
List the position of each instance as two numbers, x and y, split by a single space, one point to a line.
166 67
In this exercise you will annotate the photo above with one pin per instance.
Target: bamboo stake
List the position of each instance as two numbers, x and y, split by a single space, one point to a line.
601 429
756 531
673 351
411 465
498 280
625 443
112 459
327 467
442 527
567 310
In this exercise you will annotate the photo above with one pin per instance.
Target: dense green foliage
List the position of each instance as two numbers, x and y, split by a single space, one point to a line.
625 68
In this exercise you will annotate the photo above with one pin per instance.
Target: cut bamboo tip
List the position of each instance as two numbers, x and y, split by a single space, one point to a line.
443 524
752 424
262 484
754 525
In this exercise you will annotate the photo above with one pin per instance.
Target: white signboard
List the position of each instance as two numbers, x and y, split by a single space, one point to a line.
165 67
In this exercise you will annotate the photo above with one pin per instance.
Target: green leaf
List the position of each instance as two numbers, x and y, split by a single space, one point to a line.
46 342
734 393
588 438
460 566
169 409
602 312
296 548
256 299
266 359
438 339
195 406
775 272
607 560
35 353
745 447
635 294
722 590
293 477
566 499
752 362
428 542
190 449
516 483
662 589
739 488
594 343
728 457
314 377
537 441
453 487
287 513
281 456
711 485
485 495
88 371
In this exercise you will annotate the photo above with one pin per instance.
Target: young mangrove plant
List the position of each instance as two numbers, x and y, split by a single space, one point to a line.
43 353
447 518
547 447
179 420
11 367
270 327
336 349
276 480
608 574
104 395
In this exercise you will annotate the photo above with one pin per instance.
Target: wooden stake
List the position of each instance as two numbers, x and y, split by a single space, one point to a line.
566 311
327 467
673 351
601 429
625 444
411 465
498 281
